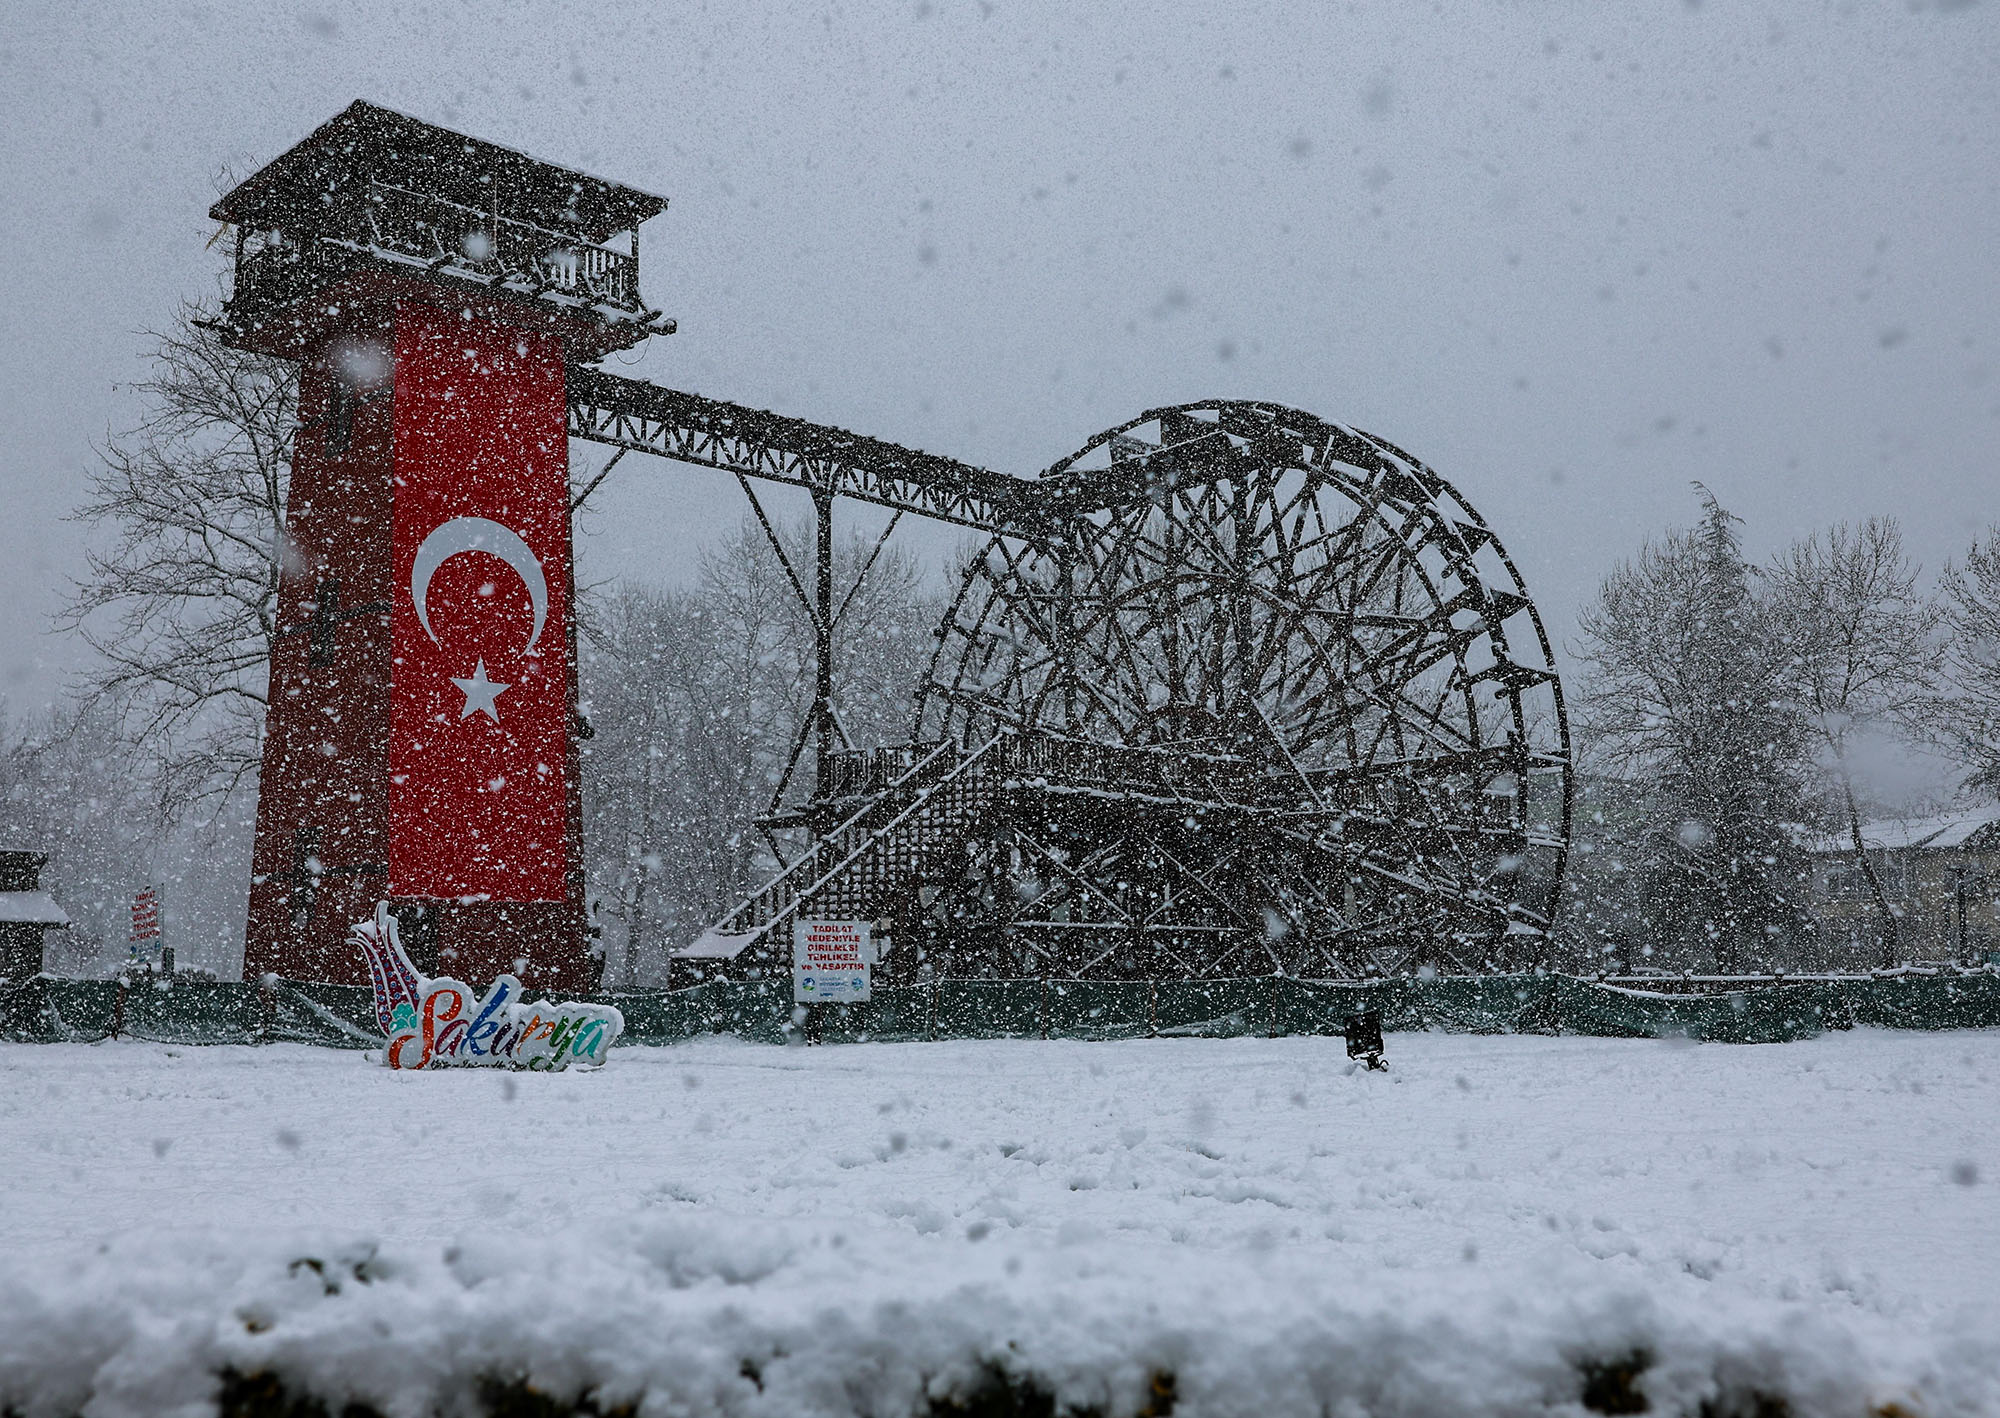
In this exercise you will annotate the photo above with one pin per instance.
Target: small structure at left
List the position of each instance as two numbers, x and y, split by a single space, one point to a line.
26 912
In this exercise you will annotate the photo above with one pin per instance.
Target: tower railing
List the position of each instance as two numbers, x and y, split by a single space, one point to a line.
438 236
444 233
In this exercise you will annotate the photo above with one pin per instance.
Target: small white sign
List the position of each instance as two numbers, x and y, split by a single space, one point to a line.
146 941
830 961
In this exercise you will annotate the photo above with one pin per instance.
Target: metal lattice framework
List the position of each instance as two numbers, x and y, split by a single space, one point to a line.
1230 691
714 433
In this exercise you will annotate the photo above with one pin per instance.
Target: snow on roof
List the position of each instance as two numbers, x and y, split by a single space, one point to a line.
1968 825
34 908
1940 831
365 141
716 945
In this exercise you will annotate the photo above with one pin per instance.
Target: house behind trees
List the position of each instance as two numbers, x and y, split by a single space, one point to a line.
1941 872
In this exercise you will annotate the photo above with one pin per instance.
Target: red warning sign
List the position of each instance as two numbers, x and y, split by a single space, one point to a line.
830 961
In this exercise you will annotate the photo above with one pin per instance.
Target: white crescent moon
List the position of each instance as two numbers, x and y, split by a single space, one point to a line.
478 534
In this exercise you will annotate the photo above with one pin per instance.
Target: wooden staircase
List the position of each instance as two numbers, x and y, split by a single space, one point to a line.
906 832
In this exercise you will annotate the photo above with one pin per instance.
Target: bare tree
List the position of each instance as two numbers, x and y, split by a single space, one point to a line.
181 604
1861 650
674 772
699 699
1965 715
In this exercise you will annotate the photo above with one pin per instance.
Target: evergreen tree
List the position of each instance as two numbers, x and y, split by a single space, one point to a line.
1686 695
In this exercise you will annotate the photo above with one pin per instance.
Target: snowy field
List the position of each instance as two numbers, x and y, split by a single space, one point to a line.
1498 1226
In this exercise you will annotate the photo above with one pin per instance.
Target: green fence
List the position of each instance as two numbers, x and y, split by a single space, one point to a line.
49 1010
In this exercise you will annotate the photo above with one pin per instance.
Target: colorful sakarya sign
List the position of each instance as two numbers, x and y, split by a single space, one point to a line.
441 1024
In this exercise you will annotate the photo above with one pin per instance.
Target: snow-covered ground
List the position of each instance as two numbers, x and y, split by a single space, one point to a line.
728 1228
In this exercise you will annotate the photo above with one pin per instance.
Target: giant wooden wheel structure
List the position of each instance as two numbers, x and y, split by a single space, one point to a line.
1295 713
1232 690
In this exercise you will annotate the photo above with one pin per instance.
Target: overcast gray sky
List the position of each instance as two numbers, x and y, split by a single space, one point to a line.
1572 255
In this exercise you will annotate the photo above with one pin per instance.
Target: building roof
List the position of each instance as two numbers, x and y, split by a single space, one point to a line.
32 908
1975 828
365 142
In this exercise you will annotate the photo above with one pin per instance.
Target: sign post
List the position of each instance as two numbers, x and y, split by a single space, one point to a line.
830 961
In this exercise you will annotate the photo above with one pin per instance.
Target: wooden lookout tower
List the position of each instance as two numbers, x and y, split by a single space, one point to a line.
421 743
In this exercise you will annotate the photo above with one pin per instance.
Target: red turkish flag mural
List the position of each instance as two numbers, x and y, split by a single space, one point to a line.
479 625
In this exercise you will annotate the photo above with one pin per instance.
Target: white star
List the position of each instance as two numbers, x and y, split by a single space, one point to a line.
480 692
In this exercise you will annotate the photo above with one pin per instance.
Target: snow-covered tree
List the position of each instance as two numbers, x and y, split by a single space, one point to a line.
698 699
1965 716
1685 694
1861 651
70 787
74 786
671 774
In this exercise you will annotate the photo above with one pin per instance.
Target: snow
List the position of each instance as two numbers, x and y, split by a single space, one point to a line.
727 1228
36 908
1937 832
717 945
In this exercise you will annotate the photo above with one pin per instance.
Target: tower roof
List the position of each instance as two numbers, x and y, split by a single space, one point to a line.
364 143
